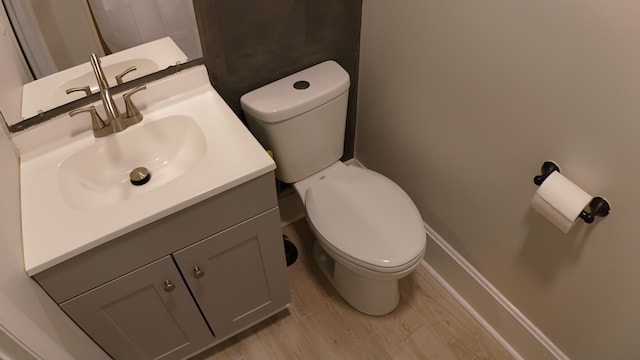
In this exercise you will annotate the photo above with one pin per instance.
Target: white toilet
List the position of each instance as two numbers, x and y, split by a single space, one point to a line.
369 233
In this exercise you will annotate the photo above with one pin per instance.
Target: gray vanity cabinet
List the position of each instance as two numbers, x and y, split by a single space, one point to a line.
183 283
236 276
146 314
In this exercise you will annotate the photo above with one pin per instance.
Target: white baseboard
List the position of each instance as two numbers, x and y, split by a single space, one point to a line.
519 336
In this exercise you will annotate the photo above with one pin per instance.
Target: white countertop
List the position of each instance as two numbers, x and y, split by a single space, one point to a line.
54 231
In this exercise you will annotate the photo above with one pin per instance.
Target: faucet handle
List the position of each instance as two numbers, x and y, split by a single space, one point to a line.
122 74
96 121
133 115
86 89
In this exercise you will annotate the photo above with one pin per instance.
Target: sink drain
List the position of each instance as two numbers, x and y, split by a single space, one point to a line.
139 176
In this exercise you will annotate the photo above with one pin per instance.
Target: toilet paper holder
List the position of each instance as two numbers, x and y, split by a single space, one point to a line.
597 207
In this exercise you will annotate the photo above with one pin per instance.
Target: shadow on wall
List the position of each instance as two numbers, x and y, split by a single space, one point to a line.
546 250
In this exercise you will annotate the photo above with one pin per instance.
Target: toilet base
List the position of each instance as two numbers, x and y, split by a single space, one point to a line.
370 296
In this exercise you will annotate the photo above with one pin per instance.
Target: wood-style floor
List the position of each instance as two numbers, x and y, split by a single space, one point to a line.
428 324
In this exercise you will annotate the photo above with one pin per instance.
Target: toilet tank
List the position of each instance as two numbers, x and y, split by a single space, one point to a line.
301 118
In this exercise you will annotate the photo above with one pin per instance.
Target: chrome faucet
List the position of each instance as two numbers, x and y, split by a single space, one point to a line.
114 120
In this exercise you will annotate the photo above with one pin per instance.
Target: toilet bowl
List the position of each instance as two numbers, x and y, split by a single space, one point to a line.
368 232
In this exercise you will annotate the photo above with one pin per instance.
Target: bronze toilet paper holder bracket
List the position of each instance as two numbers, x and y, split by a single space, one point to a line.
597 207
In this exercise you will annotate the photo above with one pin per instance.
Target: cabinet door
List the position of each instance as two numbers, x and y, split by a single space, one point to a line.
145 314
239 276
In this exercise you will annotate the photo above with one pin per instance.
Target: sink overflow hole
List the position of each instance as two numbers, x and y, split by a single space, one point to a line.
139 176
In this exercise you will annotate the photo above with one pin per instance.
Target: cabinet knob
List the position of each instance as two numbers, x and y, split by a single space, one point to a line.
168 286
197 272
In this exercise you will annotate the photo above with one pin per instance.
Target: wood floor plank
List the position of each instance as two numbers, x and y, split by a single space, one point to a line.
442 313
428 323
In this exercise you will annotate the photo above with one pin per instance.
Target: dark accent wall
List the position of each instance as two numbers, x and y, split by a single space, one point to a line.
250 43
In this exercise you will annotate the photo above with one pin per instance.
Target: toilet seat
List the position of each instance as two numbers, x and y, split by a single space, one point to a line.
366 218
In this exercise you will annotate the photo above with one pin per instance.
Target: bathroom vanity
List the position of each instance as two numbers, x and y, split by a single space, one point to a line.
140 296
170 268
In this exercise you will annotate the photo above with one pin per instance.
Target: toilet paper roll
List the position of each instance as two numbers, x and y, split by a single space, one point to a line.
560 201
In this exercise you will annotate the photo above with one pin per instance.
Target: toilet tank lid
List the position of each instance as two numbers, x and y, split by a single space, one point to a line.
296 93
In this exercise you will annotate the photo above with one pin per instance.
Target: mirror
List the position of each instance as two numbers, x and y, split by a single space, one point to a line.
56 35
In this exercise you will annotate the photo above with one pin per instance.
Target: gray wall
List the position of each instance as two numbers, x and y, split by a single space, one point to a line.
481 93
249 43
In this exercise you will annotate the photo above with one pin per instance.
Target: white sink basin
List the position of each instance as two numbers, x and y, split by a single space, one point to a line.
75 188
98 175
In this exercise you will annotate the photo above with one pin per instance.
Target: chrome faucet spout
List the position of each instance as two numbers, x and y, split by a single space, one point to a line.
114 120
97 70
113 115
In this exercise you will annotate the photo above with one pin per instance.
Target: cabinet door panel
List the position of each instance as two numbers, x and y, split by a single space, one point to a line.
244 273
135 317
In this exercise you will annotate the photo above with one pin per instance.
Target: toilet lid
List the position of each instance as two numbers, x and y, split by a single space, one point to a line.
367 217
